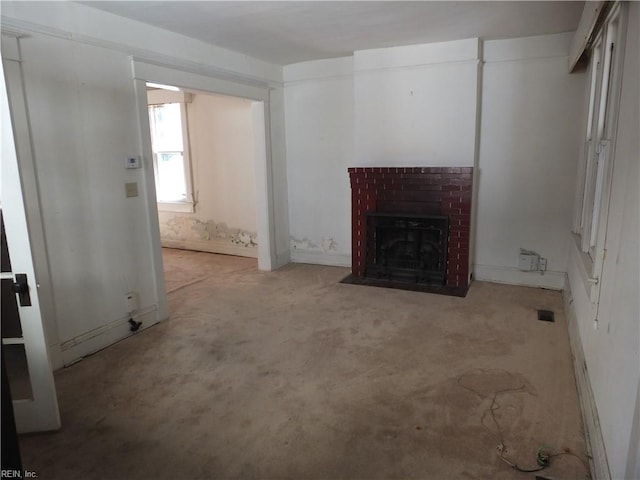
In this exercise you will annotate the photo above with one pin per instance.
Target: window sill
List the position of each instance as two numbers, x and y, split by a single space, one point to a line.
184 207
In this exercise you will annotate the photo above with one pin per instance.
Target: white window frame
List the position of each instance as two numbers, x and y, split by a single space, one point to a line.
160 97
605 76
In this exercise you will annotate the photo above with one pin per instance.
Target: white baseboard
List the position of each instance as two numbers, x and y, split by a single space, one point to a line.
595 442
90 342
513 276
212 246
320 258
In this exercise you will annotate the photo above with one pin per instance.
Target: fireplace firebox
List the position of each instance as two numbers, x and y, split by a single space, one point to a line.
407 248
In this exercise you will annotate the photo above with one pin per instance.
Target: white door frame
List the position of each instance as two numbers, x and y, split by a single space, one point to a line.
143 72
39 413
22 135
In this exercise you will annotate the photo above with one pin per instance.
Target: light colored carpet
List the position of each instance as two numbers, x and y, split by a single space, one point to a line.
291 374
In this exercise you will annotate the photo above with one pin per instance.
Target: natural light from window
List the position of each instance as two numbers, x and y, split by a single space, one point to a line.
168 150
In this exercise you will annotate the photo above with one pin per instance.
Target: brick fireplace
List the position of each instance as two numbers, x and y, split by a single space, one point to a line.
400 217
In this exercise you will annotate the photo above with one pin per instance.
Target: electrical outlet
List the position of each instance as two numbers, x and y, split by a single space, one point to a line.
543 264
131 302
528 261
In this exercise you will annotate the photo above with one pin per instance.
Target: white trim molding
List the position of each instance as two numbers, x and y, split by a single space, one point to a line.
595 443
512 276
320 258
212 246
590 14
95 340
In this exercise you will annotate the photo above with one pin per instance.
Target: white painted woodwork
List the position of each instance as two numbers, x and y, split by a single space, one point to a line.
591 12
611 350
40 412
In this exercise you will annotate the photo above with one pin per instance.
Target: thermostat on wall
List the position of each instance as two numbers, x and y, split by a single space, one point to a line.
132 162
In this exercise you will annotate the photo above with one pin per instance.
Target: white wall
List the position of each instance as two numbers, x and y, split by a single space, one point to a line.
612 351
531 128
420 106
319 112
95 238
82 108
416 105
221 140
401 106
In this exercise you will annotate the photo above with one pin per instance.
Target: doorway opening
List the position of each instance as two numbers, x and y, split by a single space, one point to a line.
204 159
258 95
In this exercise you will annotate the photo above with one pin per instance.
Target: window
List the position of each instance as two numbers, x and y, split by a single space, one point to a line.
168 152
604 80
169 140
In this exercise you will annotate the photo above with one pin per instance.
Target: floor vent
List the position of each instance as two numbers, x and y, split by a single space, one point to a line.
546 316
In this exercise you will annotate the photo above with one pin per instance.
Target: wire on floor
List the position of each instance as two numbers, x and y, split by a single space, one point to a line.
544 453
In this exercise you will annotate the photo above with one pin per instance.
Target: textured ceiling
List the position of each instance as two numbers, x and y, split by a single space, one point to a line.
290 32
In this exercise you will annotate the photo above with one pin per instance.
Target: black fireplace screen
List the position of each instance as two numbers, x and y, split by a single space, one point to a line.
407 247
